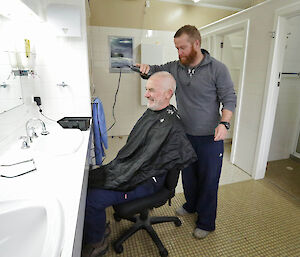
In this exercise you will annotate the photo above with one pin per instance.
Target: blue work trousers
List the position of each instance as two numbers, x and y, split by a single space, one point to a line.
98 199
201 180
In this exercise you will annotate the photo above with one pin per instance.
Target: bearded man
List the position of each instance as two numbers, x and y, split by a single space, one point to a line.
203 83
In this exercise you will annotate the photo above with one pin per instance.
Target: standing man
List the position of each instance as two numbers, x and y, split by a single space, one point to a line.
202 84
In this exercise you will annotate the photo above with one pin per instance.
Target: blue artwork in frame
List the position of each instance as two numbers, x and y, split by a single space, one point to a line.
121 53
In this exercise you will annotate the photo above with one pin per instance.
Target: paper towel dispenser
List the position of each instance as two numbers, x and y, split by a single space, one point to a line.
65 19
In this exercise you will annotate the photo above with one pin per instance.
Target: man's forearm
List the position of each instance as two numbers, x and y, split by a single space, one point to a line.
226 115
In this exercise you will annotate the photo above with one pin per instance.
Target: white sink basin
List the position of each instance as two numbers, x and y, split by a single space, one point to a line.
59 142
31 228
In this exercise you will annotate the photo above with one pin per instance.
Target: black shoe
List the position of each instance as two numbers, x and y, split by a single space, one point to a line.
95 250
107 230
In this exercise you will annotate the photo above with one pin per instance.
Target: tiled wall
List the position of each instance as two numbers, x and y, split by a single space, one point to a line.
128 107
287 119
12 121
56 60
63 60
10 91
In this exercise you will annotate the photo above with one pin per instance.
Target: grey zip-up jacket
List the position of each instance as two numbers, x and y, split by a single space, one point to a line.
199 92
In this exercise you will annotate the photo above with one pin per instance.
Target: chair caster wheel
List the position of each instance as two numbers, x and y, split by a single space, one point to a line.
116 217
163 253
177 223
118 248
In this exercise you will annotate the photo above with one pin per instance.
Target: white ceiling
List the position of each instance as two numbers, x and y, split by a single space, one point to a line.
234 5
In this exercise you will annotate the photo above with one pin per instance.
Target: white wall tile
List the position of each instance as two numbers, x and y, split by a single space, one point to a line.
57 59
128 108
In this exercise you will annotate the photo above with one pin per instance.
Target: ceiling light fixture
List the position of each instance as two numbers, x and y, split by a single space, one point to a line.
196 1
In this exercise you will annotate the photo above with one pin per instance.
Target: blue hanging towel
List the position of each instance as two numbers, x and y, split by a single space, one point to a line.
100 133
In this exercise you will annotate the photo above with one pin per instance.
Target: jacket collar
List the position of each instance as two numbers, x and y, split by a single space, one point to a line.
162 110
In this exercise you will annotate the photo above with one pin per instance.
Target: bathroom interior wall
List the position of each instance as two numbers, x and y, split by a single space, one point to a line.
261 23
10 88
128 108
62 60
154 25
57 60
287 119
255 2
13 121
159 16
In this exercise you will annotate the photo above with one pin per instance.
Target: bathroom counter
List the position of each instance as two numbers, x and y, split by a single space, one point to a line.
62 176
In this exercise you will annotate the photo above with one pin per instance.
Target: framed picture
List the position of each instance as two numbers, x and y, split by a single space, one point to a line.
121 53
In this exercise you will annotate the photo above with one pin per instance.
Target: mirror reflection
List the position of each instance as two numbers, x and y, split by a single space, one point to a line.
10 85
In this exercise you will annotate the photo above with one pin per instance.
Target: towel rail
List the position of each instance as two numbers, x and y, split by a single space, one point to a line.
291 73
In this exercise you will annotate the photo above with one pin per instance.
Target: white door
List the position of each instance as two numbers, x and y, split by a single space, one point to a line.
232 49
229 45
269 108
287 119
297 151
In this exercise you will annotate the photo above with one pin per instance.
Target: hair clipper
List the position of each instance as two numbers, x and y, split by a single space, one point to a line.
137 69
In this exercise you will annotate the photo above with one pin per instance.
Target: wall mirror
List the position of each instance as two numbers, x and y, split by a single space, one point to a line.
10 85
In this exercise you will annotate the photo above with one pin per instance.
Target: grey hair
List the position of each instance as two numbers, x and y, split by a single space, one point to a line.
168 80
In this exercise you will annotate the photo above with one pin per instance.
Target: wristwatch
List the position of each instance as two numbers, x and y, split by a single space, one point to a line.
226 124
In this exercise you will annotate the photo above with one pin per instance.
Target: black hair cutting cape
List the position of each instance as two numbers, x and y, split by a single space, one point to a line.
156 145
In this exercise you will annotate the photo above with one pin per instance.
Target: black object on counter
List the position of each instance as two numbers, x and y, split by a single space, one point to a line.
82 123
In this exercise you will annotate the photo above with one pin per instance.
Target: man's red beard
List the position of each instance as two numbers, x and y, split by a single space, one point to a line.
187 60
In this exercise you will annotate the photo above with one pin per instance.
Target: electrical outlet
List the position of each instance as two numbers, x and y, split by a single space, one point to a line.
37 99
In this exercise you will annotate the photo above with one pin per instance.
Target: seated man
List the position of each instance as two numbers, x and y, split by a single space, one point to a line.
156 144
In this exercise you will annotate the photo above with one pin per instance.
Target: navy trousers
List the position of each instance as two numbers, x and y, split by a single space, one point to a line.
98 199
201 180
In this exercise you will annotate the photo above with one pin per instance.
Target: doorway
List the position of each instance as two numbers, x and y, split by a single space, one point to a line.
231 54
283 168
229 45
285 135
278 138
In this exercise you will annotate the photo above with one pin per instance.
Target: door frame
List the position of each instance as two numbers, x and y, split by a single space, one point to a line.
297 137
214 36
271 89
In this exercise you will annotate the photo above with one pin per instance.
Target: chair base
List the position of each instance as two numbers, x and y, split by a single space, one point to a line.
145 222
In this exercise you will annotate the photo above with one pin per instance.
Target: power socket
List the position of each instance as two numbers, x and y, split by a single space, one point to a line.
38 101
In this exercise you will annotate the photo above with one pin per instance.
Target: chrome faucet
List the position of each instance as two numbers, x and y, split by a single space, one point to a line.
25 143
44 130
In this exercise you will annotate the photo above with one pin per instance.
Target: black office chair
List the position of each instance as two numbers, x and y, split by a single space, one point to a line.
141 207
